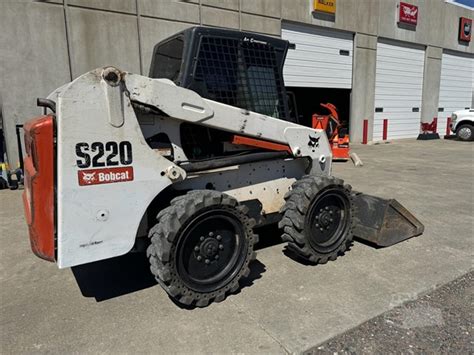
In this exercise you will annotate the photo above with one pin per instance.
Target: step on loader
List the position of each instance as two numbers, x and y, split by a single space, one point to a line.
191 159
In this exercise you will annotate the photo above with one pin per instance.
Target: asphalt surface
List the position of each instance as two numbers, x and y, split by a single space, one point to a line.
440 322
284 306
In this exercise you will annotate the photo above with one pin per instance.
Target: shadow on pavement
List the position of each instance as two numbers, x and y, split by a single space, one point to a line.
114 277
268 235
129 273
257 268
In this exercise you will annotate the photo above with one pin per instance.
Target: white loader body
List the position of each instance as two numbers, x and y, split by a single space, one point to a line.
107 174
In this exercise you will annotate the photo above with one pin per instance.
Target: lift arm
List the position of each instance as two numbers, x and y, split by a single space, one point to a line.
185 105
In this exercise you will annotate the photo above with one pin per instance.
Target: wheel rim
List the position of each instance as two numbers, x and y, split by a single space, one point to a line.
465 133
328 220
210 251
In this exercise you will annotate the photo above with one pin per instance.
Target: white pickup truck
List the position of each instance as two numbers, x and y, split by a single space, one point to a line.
462 124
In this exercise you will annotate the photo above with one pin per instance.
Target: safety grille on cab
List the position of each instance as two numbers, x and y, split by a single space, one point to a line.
242 73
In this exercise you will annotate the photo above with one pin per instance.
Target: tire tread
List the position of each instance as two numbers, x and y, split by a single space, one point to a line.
163 238
297 203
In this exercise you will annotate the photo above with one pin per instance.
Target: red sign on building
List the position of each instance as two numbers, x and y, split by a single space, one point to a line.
465 29
408 13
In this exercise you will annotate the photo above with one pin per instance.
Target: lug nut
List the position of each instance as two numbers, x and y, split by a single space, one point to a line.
327 208
221 246
216 257
207 261
321 229
321 210
196 248
211 234
317 225
331 220
330 212
201 239
199 258
218 237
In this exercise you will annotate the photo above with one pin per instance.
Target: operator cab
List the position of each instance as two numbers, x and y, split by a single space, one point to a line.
240 69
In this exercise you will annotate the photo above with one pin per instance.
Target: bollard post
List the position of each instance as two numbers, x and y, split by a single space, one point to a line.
365 131
385 129
448 126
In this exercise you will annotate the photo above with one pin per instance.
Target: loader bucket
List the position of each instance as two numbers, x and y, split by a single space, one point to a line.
383 222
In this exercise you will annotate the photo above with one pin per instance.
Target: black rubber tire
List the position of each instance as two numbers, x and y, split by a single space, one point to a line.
296 223
465 126
167 245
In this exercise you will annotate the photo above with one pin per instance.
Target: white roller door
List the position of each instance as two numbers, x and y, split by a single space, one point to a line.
398 90
456 86
322 58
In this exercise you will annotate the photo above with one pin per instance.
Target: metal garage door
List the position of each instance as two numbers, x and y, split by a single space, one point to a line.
456 86
322 58
398 90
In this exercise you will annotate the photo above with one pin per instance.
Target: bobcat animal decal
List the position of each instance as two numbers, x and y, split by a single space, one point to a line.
88 178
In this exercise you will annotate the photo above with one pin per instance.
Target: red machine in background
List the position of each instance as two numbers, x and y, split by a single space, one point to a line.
337 135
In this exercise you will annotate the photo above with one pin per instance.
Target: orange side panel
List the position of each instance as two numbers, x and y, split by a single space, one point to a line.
38 196
258 143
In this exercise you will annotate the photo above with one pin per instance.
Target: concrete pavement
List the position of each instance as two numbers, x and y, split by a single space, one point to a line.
439 322
115 306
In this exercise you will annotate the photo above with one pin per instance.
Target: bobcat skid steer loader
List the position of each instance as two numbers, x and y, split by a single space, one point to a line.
191 159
